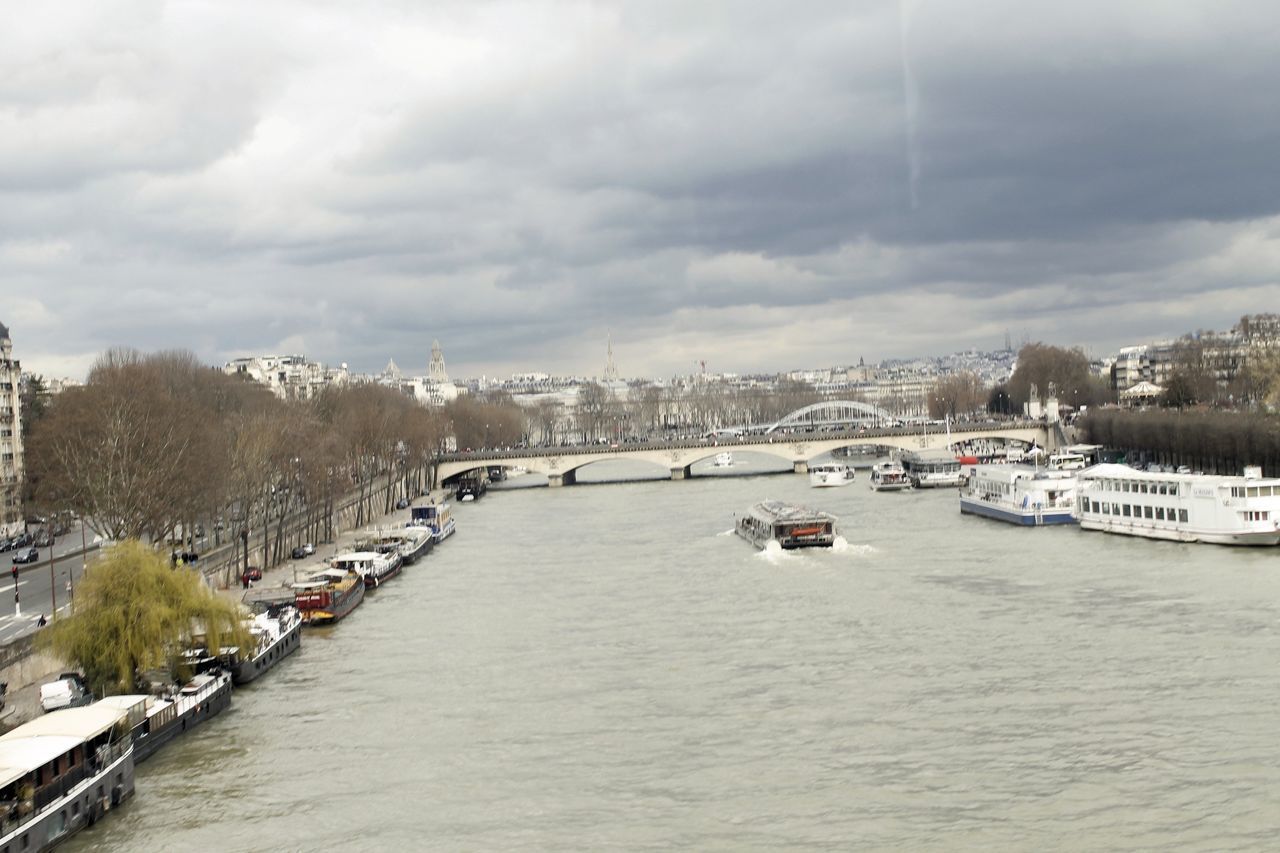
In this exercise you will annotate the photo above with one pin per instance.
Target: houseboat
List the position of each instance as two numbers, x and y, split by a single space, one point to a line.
789 525
435 517
929 469
156 718
889 477
1020 494
411 543
830 474
61 773
328 596
375 567
277 633
1208 508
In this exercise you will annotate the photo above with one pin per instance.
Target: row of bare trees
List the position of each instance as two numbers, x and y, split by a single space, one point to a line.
1212 441
159 446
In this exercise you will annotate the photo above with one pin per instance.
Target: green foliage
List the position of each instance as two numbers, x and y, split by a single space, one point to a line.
133 612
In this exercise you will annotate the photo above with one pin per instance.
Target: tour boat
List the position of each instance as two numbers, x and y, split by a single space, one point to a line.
789 525
328 596
1220 510
435 517
932 468
277 633
156 719
1020 494
62 772
830 474
889 477
724 459
374 567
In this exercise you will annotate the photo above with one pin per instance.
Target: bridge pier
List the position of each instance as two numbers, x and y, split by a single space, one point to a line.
568 478
683 473
800 466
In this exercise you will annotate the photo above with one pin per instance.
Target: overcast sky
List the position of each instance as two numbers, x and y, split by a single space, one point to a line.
762 186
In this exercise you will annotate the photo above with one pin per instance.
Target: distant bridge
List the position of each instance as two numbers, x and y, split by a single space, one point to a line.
561 464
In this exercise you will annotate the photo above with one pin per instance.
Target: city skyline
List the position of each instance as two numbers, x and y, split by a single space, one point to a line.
733 184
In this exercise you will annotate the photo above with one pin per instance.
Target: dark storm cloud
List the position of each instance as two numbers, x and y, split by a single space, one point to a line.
756 184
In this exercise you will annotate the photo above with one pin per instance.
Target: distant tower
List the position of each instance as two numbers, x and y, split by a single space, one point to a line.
1008 342
391 371
610 369
436 370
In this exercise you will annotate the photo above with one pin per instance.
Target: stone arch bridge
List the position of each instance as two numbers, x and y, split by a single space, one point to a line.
560 464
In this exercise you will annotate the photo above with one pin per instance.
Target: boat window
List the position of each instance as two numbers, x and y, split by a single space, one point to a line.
1182 516
1159 513
1126 510
1146 512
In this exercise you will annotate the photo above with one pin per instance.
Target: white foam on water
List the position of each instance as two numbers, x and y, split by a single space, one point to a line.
728 532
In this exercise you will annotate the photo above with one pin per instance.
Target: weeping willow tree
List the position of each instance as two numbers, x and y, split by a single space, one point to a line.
133 613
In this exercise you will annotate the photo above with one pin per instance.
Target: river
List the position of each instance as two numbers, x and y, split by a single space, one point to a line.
607 667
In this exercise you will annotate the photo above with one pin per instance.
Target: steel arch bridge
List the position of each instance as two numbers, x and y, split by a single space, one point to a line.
834 413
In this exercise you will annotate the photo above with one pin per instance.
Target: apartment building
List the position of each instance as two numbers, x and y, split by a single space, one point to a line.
11 461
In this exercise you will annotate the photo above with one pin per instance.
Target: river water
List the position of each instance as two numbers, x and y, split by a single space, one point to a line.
607 667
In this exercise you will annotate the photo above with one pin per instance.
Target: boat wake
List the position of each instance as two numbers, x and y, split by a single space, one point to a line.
841 546
728 532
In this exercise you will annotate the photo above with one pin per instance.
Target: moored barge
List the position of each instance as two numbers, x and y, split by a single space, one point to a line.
154 720
328 596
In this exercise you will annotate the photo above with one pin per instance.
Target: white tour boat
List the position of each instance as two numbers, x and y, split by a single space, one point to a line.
1020 494
724 459
789 525
889 477
932 468
1181 507
830 474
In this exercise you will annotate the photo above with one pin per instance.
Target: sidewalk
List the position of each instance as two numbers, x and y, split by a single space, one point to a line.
285 574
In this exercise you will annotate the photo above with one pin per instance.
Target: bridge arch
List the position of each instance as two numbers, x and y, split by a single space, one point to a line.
834 413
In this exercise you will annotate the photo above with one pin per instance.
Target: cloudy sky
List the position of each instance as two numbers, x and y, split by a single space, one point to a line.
760 185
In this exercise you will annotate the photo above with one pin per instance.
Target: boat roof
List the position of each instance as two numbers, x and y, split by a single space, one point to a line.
779 511
931 455
82 723
123 702
1116 471
356 555
1006 473
20 754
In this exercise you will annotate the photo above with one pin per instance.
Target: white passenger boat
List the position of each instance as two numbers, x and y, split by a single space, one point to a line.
830 474
435 517
724 459
1020 494
789 525
1181 507
1067 460
932 468
62 772
889 477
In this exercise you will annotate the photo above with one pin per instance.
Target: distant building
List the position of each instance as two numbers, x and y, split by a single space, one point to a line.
290 377
11 457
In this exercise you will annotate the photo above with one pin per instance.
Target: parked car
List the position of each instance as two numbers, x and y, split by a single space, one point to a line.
43 539
403 503
30 555
253 573
5 544
303 551
22 540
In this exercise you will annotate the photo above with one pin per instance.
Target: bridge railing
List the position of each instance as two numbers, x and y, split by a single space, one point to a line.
779 437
